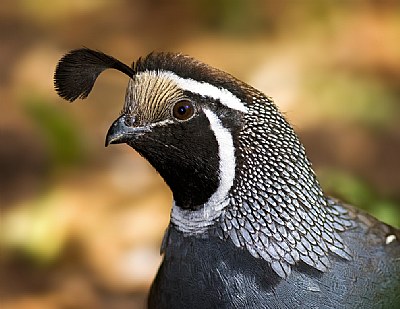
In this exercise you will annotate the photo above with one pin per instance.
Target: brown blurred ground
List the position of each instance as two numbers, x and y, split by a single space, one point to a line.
81 224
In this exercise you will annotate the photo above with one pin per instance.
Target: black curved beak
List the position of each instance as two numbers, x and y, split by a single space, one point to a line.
123 131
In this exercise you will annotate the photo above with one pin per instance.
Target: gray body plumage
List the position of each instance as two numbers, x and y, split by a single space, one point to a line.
211 273
250 225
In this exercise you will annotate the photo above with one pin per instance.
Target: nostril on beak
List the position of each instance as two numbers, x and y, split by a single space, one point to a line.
129 120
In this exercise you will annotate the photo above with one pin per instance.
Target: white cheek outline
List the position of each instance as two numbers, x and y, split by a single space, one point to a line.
197 221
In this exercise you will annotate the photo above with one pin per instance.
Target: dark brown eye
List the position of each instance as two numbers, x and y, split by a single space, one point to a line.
183 110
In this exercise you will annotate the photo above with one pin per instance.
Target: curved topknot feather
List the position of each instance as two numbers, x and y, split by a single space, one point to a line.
78 70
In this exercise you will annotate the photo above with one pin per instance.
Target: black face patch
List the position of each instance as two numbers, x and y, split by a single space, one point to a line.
186 156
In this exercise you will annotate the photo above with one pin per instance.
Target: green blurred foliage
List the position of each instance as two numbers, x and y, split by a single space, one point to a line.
355 98
36 231
61 133
355 191
234 17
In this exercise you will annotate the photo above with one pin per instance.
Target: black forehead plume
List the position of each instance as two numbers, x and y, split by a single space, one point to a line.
188 67
78 70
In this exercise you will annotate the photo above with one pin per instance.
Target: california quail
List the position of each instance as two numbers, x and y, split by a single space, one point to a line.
250 226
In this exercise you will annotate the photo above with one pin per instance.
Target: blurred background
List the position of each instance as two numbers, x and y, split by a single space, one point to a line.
81 224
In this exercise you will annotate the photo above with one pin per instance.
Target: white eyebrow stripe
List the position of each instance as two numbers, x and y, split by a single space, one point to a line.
226 97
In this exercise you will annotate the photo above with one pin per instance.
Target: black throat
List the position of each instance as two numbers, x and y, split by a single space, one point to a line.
186 156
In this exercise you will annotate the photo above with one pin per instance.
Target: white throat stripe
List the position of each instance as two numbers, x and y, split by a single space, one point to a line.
226 97
197 221
227 164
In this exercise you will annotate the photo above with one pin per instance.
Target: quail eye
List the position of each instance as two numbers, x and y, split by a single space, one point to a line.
183 110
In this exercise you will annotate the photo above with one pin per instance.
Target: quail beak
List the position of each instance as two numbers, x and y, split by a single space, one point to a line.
123 130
